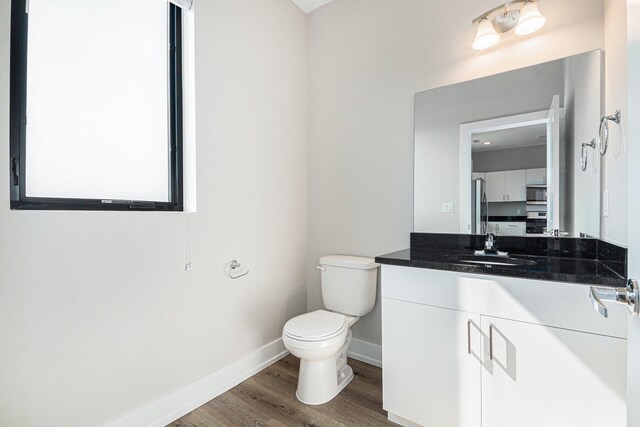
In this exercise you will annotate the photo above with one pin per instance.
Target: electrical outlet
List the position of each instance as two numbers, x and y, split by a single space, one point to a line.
447 207
605 203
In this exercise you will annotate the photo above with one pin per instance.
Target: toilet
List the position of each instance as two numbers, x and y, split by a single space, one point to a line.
321 338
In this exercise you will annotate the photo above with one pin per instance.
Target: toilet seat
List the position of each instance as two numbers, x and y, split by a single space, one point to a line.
319 325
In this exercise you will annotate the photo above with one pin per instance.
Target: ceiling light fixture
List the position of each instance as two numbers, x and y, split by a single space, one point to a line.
523 15
488 143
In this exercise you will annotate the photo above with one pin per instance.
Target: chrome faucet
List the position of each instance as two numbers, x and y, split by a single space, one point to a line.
491 247
490 243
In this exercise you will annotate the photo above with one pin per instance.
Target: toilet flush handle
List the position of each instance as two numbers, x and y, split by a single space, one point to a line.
321 267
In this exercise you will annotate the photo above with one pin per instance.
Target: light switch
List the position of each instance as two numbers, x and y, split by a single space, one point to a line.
447 207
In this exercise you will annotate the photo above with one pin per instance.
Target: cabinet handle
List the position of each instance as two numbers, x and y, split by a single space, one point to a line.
469 336
490 341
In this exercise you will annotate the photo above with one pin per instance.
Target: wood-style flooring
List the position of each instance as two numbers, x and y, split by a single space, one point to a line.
268 399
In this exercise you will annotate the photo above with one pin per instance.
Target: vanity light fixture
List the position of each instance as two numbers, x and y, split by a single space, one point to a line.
486 36
521 15
531 20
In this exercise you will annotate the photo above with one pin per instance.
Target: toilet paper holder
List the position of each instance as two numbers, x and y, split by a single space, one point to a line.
235 270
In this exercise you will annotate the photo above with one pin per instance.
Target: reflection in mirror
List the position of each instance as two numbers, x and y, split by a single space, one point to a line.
508 149
507 192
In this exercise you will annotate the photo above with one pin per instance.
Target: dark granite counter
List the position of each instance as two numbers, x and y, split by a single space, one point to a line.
584 261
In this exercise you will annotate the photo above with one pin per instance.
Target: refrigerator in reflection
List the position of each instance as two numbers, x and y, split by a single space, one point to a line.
479 207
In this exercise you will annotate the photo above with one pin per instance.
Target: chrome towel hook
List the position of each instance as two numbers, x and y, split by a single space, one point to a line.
603 131
583 154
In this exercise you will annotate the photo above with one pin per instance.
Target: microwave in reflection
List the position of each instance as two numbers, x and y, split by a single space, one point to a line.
536 194
536 211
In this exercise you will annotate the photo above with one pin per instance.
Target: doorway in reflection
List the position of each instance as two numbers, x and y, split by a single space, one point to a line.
510 175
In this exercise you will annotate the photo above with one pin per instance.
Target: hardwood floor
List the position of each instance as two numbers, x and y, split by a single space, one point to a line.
268 399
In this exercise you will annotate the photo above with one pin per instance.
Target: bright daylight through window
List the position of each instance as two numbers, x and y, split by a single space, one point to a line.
96 105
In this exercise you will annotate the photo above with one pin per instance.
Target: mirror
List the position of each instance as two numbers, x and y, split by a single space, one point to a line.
504 153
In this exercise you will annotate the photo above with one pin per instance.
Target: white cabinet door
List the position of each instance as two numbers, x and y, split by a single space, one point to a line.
516 185
509 186
537 176
495 186
513 228
429 375
543 376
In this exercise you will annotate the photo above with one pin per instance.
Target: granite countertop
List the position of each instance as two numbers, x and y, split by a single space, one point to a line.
552 268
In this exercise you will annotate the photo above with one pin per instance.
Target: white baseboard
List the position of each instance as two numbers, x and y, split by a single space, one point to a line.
366 352
185 400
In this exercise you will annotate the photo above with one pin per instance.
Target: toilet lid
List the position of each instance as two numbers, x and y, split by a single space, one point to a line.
317 325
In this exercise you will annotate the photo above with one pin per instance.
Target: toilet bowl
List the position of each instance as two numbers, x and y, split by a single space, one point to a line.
321 338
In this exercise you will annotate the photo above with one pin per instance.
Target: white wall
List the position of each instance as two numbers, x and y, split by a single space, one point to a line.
97 315
367 60
534 157
614 168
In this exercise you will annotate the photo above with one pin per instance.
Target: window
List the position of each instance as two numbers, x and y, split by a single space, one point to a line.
96 105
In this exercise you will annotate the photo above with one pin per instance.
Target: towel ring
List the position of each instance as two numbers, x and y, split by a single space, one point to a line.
604 128
583 154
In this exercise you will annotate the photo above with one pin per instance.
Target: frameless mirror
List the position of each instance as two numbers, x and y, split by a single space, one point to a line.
505 153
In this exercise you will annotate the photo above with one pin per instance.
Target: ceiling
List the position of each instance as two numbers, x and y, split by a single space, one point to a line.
310 5
527 136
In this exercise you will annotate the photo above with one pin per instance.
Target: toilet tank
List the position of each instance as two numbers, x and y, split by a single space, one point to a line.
348 283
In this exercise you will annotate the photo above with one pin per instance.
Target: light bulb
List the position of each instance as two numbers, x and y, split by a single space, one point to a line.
486 35
531 20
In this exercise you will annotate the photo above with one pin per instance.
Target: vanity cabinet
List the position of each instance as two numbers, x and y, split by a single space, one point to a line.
507 186
467 350
544 376
429 376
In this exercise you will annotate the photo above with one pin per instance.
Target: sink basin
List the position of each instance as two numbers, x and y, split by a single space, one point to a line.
488 260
